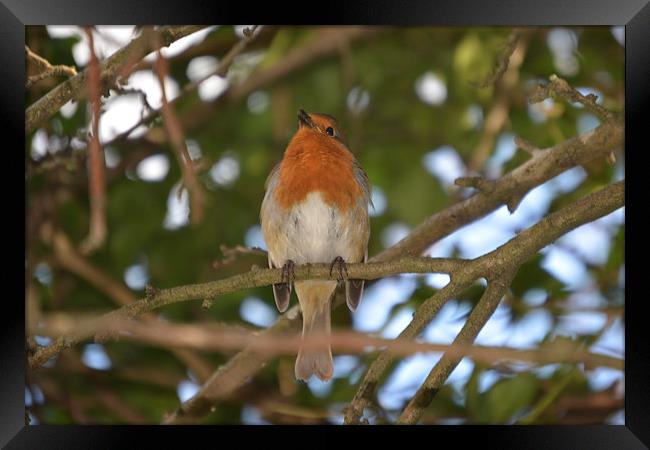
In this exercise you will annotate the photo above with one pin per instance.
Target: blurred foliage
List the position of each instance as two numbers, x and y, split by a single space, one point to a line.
370 85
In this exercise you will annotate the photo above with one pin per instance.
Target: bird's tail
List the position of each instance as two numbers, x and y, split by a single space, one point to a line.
316 358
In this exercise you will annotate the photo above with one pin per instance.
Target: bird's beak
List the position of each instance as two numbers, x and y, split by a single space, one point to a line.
304 118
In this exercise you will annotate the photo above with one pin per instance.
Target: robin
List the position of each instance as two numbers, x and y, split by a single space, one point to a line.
315 210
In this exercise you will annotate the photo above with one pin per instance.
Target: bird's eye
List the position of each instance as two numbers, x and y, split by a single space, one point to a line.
330 131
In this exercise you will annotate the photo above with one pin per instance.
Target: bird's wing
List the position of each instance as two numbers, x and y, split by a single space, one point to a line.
272 179
354 290
362 180
281 291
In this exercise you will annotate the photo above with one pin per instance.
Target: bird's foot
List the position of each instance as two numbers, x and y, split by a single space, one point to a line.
342 268
288 274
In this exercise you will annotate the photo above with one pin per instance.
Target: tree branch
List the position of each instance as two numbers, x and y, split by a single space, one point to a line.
504 78
67 257
325 44
177 139
216 337
253 278
560 88
581 149
503 59
96 160
493 265
221 70
239 368
477 319
46 70
73 88
587 147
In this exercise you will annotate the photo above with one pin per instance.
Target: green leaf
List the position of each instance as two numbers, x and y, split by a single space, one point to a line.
506 398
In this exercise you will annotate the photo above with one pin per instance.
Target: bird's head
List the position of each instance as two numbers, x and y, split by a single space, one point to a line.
319 123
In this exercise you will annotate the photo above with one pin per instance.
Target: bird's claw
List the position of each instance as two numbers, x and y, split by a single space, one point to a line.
341 267
288 274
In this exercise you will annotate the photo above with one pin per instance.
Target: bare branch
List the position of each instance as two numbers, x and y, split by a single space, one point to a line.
505 79
503 59
234 373
96 166
46 70
478 318
493 265
257 278
593 145
224 338
221 71
69 259
523 144
177 138
560 88
325 44
73 89
587 147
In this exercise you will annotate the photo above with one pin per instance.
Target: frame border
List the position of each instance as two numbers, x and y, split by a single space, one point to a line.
634 14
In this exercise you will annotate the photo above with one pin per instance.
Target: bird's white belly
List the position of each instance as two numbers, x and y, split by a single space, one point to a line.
312 228
312 232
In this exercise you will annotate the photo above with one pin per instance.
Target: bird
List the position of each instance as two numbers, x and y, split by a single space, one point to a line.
315 210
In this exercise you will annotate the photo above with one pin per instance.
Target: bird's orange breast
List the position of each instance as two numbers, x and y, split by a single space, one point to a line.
317 163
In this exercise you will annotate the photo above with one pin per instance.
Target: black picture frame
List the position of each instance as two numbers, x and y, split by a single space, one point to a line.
633 14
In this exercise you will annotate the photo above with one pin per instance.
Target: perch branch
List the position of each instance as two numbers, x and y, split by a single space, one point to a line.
578 150
254 278
234 373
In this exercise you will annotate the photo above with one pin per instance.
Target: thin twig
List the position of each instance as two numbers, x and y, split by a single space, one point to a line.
221 70
523 144
224 338
503 260
560 88
503 59
325 45
177 138
96 164
257 278
479 316
46 70
66 257
505 78
73 88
